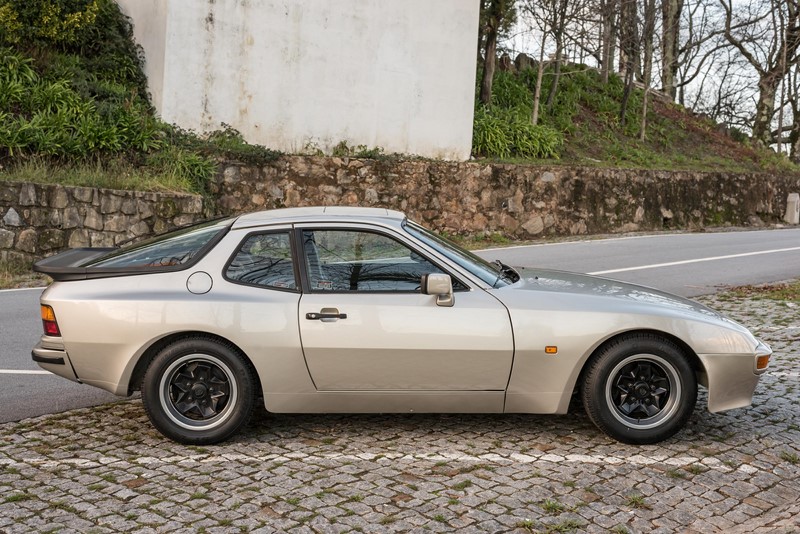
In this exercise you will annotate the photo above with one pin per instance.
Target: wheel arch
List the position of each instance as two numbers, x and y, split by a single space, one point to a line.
694 360
137 375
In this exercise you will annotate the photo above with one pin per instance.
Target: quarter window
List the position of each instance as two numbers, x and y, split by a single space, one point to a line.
345 260
264 260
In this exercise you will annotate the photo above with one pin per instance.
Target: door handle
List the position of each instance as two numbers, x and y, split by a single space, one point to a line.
326 315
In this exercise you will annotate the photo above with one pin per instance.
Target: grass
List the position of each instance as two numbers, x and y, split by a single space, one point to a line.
110 173
696 469
18 497
637 501
585 119
17 273
553 507
464 484
526 524
788 291
790 457
676 473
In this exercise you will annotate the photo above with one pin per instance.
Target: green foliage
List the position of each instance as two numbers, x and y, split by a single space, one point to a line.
504 133
48 117
343 150
228 143
182 164
72 94
57 22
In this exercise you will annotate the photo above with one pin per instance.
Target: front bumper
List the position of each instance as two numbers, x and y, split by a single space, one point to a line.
732 378
50 357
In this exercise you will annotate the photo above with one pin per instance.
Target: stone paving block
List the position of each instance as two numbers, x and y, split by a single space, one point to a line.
415 473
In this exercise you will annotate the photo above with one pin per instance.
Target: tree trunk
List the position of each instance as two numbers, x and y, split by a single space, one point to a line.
794 136
559 27
647 36
671 23
609 19
537 94
556 75
629 45
765 107
489 62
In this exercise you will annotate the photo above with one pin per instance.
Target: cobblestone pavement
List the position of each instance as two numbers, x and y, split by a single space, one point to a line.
105 469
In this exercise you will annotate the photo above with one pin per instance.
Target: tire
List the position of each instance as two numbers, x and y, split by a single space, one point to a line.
639 389
198 391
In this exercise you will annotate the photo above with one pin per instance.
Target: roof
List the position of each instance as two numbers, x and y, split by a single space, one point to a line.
316 213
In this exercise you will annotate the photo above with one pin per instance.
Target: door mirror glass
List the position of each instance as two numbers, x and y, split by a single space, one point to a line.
441 285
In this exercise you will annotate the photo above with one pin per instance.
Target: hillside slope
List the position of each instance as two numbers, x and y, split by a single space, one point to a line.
584 128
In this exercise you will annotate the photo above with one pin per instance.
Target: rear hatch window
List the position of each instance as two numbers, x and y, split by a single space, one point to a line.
178 247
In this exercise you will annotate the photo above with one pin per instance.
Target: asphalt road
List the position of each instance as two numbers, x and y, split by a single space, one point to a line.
25 389
686 264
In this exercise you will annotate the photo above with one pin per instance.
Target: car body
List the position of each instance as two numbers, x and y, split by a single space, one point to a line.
335 309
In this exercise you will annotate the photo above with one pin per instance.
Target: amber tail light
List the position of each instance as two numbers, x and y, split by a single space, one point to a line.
49 321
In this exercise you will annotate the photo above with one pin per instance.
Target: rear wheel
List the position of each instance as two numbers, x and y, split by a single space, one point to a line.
639 389
198 391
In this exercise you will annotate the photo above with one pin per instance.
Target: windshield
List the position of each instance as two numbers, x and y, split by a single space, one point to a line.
173 248
491 273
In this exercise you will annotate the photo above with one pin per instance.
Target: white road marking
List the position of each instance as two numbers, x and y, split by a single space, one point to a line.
23 372
22 289
579 241
516 458
696 260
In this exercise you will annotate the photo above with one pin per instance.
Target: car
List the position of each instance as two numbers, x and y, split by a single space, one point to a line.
361 310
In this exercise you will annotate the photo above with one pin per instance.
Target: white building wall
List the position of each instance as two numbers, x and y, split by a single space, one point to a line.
150 30
290 74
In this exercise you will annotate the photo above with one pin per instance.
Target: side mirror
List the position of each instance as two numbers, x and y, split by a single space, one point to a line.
440 285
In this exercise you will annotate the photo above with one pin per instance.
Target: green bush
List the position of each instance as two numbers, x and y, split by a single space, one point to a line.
56 22
499 133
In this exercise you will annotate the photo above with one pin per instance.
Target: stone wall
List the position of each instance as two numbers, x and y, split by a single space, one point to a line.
514 200
524 202
38 220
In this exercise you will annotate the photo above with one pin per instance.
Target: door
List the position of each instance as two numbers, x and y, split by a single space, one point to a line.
365 325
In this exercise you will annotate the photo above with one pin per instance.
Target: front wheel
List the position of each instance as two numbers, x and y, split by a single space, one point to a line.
639 389
198 391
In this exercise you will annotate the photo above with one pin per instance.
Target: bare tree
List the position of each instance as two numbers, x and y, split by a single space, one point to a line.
700 47
629 48
648 35
496 16
753 31
608 13
670 42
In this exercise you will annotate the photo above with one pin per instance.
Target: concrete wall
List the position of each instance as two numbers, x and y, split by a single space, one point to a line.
292 73
150 30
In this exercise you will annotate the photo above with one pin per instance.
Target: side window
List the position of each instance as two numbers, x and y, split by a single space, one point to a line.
264 260
346 260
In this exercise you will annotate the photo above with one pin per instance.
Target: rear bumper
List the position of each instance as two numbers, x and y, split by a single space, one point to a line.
55 360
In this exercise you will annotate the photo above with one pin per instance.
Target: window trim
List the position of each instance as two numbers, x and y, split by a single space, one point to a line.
306 281
294 251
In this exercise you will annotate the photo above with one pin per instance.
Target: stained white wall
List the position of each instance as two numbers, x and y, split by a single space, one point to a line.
288 74
150 30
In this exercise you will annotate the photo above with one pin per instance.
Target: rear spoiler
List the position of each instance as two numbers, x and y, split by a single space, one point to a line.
67 265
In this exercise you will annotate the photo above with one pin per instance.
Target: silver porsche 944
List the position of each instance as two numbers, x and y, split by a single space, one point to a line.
362 310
